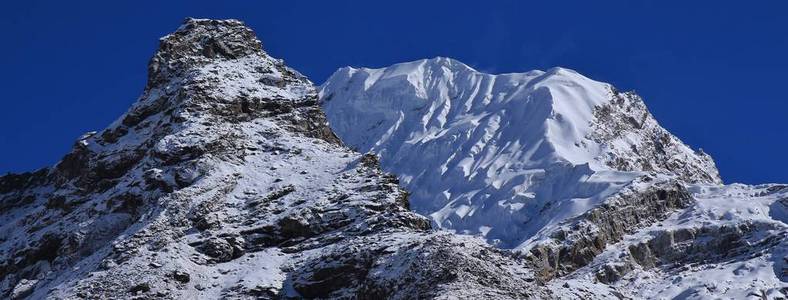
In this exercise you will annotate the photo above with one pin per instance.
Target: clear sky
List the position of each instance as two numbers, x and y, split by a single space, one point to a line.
712 72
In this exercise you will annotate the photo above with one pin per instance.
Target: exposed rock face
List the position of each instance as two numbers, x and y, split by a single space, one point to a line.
576 242
626 117
726 243
427 265
14 188
707 244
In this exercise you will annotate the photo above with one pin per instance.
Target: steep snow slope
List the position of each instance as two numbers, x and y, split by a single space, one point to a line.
503 155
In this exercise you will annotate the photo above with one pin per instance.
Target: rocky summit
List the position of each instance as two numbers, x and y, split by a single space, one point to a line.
226 180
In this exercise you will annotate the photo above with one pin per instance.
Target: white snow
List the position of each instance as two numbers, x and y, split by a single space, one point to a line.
509 153
505 157
510 157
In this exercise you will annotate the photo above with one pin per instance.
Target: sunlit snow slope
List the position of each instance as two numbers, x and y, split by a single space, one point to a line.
504 155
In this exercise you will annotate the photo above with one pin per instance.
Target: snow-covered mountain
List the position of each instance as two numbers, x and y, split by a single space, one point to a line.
503 155
225 181
562 169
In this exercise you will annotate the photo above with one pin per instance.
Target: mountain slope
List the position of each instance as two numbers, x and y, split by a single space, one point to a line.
731 243
503 155
573 175
224 181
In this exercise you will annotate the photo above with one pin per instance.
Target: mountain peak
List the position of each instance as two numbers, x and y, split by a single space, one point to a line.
486 153
200 41
207 74
448 62
210 38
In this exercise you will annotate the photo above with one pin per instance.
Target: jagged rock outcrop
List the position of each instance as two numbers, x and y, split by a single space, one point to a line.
423 266
576 242
729 242
650 147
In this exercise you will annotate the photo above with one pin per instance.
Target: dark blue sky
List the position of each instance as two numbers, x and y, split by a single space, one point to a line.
713 72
